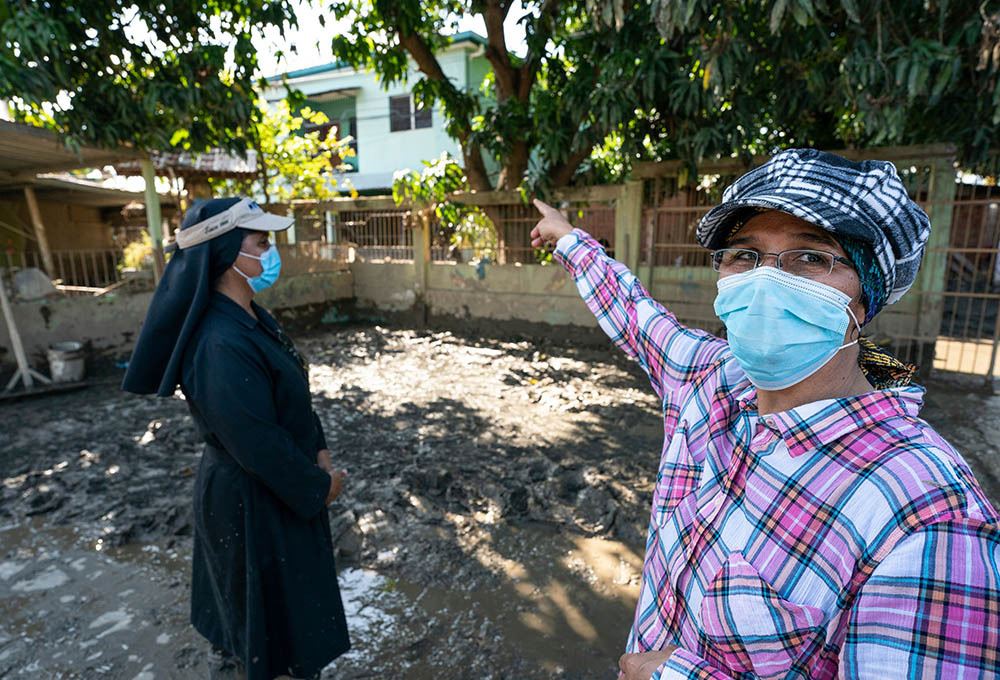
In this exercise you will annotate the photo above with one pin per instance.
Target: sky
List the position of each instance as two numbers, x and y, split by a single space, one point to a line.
312 41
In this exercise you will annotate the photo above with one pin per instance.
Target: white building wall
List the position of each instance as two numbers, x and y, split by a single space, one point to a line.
380 151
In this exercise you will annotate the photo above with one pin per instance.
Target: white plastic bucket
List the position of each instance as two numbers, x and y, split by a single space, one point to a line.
66 361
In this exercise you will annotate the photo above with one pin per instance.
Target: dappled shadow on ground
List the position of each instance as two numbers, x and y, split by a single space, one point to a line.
483 490
492 522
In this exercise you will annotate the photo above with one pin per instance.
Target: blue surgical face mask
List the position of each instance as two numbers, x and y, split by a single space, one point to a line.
782 328
270 261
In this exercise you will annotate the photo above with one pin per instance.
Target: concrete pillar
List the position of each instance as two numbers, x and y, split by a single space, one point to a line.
931 279
628 224
421 250
39 226
154 221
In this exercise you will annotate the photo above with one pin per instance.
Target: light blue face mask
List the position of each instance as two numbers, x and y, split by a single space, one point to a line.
270 261
782 328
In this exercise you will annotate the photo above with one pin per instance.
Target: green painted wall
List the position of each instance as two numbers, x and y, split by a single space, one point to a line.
337 110
479 68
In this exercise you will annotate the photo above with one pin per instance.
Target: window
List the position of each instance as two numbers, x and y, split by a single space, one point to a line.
403 116
422 118
399 113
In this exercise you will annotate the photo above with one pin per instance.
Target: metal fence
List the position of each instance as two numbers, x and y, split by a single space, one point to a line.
513 221
375 234
948 321
92 268
969 333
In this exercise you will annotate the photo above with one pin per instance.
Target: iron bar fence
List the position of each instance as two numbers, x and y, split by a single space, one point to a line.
89 268
949 321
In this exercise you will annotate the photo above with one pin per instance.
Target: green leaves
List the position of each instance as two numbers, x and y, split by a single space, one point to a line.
162 79
295 163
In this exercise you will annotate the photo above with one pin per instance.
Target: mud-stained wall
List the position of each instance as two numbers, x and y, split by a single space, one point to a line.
532 293
517 293
385 286
108 325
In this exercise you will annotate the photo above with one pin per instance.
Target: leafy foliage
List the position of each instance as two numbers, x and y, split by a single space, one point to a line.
537 116
607 82
755 76
430 190
105 72
138 254
294 161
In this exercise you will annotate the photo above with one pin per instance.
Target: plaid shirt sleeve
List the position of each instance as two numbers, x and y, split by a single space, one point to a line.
670 353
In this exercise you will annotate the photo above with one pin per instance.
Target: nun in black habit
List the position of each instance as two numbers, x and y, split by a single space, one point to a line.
264 584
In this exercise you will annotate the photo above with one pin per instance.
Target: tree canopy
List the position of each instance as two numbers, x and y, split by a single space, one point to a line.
753 76
606 82
602 83
539 115
294 157
142 72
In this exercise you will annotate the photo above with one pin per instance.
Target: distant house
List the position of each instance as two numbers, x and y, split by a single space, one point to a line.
389 132
87 225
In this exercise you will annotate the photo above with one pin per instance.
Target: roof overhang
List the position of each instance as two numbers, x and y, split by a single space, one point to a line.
26 151
334 95
77 192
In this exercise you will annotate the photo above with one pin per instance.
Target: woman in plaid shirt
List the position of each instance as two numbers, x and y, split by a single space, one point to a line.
806 523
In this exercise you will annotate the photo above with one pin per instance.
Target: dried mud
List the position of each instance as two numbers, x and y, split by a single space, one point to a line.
492 523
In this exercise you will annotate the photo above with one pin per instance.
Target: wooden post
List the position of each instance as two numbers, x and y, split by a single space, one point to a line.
931 280
154 221
36 222
628 224
24 371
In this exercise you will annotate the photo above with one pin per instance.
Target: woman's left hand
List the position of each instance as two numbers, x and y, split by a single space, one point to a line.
642 666
323 461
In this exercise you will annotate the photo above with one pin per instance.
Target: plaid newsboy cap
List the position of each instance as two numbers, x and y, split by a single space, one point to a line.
865 200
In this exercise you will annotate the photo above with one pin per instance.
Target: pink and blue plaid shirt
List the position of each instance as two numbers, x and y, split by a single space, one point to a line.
840 539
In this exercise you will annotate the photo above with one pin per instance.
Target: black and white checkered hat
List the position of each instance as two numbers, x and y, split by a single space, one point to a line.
865 200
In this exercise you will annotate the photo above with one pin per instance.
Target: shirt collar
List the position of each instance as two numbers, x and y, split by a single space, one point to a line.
230 307
810 426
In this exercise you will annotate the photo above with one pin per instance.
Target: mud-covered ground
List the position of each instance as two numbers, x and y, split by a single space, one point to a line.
491 526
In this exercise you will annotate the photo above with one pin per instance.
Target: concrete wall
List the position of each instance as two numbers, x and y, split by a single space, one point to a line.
532 293
385 287
109 324
501 293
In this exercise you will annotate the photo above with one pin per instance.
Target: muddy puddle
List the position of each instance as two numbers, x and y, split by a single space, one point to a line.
70 610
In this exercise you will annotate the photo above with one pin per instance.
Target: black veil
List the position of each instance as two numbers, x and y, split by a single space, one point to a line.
180 298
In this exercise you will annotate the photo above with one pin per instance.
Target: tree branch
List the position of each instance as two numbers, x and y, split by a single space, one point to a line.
475 168
496 50
562 173
533 59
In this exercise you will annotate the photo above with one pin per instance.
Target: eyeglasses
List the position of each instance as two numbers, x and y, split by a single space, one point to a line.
810 264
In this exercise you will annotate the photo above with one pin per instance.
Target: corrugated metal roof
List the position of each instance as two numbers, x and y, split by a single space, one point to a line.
215 163
77 191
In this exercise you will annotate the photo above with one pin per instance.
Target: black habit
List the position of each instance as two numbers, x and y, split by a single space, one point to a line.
264 583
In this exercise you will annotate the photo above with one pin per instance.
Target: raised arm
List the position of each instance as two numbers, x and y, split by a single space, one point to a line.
670 353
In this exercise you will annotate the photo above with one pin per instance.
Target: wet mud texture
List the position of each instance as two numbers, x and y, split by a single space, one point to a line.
492 522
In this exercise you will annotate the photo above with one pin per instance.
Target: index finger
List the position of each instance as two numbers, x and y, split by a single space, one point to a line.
544 208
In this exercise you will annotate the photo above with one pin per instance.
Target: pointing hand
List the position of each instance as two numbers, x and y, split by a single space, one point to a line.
551 227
